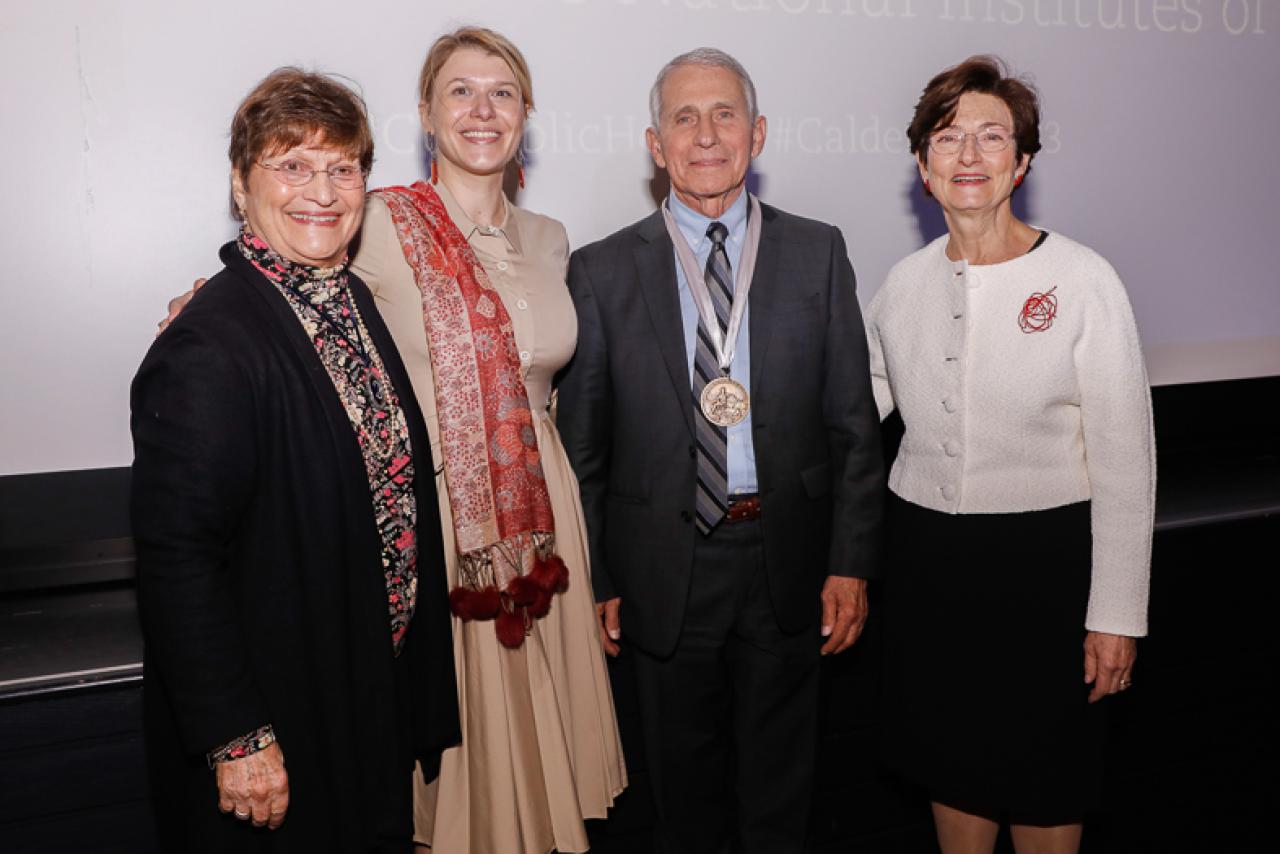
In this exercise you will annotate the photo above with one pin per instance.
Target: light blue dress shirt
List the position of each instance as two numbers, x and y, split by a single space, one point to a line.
693 225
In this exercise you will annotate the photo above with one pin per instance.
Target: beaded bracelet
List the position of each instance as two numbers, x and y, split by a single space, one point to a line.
246 745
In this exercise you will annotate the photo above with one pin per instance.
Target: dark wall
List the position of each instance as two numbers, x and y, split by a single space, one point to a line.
72 773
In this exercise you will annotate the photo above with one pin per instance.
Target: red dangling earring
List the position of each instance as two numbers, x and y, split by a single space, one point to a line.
1017 182
435 172
520 175
926 185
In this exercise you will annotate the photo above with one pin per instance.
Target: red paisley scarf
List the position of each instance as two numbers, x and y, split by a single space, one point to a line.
502 522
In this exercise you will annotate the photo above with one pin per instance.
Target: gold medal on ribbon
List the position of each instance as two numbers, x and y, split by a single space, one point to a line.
724 402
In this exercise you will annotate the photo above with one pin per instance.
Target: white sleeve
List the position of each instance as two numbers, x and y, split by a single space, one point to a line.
1120 456
879 375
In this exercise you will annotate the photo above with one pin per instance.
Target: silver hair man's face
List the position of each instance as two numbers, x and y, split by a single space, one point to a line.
706 135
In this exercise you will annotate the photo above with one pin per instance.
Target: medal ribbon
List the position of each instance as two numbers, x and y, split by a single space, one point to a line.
724 344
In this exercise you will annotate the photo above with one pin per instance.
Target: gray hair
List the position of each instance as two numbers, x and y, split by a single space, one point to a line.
705 56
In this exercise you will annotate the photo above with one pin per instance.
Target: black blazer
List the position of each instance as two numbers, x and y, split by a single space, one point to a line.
626 418
259 576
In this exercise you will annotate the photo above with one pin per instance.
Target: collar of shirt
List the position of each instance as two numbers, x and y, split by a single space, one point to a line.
693 226
508 233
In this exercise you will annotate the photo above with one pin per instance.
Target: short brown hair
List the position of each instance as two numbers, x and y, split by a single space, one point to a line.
289 107
987 75
480 38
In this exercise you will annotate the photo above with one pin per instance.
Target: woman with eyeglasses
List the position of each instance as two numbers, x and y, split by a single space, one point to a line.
1022 495
290 575
473 291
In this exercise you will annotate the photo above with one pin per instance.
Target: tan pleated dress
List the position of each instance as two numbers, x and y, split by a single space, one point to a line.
540 749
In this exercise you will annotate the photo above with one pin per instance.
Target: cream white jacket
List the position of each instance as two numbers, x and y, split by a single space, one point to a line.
1022 387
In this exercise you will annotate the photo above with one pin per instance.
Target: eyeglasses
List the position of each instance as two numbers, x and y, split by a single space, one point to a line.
989 140
298 173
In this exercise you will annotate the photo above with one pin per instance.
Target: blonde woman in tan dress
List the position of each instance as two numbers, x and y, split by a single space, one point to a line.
540 750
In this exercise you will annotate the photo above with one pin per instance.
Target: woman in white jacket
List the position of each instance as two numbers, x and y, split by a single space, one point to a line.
1023 491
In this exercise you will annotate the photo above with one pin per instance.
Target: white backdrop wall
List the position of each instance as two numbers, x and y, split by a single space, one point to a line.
1161 133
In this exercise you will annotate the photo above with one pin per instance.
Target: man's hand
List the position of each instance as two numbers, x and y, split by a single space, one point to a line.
610 625
177 304
844 612
1108 663
255 787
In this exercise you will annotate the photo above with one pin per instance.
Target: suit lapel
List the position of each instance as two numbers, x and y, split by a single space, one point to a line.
656 270
764 289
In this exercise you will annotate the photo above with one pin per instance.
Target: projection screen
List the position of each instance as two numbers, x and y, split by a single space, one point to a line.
1160 128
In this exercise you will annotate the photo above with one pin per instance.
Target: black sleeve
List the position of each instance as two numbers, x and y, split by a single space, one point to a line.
853 425
584 419
193 477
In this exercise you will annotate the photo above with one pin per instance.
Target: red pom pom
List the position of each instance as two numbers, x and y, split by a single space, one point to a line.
460 603
551 574
562 573
509 627
485 604
523 590
541 605
474 604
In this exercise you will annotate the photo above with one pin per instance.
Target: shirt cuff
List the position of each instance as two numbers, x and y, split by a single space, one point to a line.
246 745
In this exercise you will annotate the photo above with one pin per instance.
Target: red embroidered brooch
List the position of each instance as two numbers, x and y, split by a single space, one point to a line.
1038 312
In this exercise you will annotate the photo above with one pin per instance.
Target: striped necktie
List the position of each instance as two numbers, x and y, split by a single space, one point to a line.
713 453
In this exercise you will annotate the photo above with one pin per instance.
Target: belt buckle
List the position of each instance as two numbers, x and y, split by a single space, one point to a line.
743 508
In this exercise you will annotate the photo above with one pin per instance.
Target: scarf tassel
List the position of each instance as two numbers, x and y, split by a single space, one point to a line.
550 574
475 604
527 598
510 627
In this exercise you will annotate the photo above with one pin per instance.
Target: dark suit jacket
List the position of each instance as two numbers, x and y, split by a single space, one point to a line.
260 581
626 417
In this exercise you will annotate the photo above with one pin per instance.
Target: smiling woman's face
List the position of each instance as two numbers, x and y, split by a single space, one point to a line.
312 224
973 180
476 112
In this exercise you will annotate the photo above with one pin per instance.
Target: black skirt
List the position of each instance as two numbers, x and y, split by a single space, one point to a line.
985 702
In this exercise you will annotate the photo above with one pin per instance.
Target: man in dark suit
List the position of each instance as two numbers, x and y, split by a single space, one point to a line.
719 416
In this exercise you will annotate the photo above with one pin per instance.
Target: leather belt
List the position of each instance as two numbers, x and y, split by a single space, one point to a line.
743 508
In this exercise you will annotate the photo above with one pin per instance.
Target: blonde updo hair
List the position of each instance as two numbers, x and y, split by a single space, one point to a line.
480 38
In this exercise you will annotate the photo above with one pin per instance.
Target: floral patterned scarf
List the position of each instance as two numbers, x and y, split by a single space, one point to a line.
321 300
502 522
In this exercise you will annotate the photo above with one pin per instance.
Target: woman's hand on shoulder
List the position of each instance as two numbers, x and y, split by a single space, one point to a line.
1108 663
177 304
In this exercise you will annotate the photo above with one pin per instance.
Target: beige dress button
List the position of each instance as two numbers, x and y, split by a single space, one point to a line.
522 304
502 265
524 355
